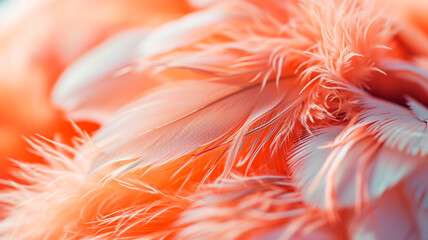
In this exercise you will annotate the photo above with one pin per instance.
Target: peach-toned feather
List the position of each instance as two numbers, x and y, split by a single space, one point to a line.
237 119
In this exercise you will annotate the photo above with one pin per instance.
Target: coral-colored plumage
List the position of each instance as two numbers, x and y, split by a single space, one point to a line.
227 119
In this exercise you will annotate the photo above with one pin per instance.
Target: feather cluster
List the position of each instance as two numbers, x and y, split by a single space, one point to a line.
237 119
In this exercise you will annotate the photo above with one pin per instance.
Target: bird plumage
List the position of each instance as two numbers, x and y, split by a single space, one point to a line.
243 119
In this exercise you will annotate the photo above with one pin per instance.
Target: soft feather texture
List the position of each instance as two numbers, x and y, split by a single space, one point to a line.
83 77
276 119
226 109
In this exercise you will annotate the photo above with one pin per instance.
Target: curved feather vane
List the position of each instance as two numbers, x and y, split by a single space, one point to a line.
341 167
179 98
400 128
84 90
197 123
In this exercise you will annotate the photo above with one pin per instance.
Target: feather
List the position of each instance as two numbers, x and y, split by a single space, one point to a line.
190 29
210 157
257 207
417 186
240 207
84 90
340 167
195 123
179 99
416 190
217 62
59 201
399 127
201 3
419 110
393 216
